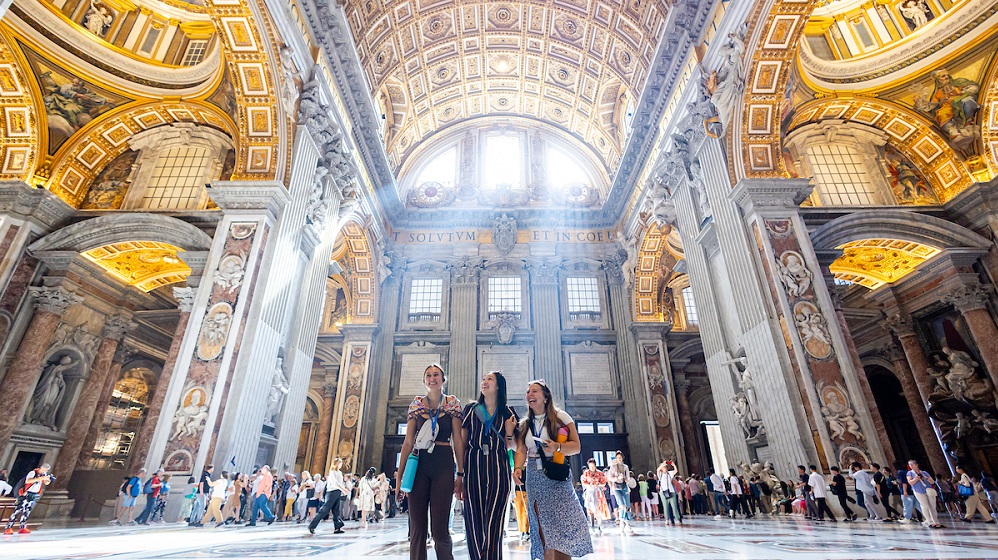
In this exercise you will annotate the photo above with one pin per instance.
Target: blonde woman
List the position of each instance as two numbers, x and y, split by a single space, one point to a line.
335 491
381 490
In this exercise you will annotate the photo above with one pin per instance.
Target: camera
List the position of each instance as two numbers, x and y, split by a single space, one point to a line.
51 477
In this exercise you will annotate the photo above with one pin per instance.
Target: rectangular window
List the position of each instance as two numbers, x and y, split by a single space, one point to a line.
585 428
583 295
194 53
604 428
503 163
841 176
690 306
401 428
425 296
176 180
149 43
598 457
505 294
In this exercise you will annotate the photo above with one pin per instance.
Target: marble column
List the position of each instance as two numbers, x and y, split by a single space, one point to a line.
121 356
645 448
462 360
903 328
86 403
548 359
971 302
837 293
154 408
690 445
325 426
926 431
21 378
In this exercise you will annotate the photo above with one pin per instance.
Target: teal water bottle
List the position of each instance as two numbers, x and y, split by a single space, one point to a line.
409 476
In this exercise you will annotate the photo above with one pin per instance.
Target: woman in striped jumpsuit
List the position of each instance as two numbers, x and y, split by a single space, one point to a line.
488 430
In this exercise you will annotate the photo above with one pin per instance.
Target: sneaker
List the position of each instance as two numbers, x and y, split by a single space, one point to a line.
718 518
114 522
132 523
904 521
336 532
25 531
9 532
311 530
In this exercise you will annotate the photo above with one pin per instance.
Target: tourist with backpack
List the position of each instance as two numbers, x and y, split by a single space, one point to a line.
28 491
132 490
150 490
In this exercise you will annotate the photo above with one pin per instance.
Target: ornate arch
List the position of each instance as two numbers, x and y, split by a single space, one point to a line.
19 132
82 158
895 224
361 274
654 263
989 118
912 134
123 227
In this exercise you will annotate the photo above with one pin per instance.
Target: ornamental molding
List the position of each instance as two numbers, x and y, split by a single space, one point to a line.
16 197
116 327
54 300
968 298
185 298
901 325
250 197
120 227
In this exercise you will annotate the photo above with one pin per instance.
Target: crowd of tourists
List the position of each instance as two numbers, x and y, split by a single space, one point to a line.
493 464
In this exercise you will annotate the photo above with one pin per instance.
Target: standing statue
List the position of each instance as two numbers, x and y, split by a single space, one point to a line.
631 261
48 393
98 19
963 382
700 188
278 389
726 84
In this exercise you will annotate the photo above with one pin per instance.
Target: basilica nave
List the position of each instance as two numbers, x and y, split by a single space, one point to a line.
731 234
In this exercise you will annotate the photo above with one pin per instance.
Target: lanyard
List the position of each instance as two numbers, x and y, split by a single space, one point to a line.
537 437
489 420
433 420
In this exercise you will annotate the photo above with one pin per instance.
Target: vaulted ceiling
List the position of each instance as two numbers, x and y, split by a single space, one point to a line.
574 64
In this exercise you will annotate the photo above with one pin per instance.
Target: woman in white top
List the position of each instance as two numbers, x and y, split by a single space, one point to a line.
558 526
316 499
335 490
218 488
381 490
305 489
976 500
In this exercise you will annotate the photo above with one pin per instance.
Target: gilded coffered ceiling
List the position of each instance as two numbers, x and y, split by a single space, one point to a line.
875 262
576 64
144 264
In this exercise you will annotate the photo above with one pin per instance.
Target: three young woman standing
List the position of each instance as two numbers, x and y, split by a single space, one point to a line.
465 453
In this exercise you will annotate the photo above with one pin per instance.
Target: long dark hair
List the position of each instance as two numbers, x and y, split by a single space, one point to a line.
501 412
551 421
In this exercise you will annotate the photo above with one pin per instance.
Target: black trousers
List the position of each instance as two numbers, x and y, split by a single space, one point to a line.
844 502
822 506
332 505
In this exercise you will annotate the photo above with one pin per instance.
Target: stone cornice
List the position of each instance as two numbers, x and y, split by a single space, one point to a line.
54 300
39 206
760 195
250 197
651 332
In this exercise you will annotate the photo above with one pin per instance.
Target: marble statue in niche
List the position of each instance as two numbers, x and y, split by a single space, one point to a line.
700 189
916 13
630 249
987 423
956 377
745 404
743 414
99 18
794 273
289 87
47 397
191 415
279 389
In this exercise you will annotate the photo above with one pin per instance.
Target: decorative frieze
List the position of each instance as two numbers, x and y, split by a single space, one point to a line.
53 300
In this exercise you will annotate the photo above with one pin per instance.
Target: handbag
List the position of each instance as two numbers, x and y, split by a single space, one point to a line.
555 471
966 491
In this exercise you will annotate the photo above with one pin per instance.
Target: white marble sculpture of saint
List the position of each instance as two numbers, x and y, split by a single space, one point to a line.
278 389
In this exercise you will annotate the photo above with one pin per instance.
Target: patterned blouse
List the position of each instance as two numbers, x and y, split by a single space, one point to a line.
421 412
593 478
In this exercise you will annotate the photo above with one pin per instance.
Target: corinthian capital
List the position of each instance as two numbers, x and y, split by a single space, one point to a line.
116 327
901 325
54 300
967 298
185 298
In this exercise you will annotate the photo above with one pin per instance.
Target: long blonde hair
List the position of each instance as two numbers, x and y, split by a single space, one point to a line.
551 420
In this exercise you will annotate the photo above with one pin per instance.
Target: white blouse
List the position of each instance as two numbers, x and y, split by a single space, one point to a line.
539 425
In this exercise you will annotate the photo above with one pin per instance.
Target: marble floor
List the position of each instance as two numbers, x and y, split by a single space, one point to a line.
701 538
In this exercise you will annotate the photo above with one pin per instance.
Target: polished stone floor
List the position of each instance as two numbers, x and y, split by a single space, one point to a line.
701 538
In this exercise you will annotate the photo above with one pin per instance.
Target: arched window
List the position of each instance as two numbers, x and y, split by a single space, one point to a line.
122 420
564 171
441 169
